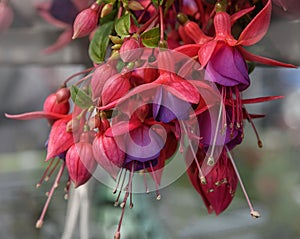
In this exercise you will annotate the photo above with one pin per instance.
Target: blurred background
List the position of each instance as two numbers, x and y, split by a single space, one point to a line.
271 174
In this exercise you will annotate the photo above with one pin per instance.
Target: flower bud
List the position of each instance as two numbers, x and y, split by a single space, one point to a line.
106 9
100 76
130 50
108 154
115 87
80 162
59 139
135 6
62 95
6 16
51 105
86 21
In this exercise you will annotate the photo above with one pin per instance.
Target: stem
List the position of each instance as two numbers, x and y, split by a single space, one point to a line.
161 23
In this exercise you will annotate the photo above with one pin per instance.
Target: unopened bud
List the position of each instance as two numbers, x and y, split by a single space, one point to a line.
63 95
86 21
106 9
115 39
135 6
130 50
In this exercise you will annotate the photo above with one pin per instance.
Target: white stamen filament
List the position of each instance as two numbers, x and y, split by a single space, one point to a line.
253 213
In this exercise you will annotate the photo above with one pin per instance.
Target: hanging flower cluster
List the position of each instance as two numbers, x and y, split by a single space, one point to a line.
167 77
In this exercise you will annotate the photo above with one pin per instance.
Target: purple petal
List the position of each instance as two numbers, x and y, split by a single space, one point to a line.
167 107
227 67
143 144
63 10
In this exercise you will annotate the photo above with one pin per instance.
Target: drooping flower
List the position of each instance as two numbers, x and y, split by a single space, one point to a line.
80 160
221 182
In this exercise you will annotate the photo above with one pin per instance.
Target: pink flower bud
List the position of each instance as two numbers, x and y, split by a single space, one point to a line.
115 87
100 76
130 50
51 105
6 16
80 161
62 95
86 21
108 154
59 139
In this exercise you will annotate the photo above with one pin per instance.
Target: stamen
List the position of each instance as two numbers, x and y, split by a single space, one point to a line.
253 213
158 196
40 221
67 189
145 180
52 170
211 160
121 188
45 174
118 181
130 186
259 142
201 175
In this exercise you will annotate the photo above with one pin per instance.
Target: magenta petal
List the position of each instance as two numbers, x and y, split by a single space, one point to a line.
167 107
230 72
143 144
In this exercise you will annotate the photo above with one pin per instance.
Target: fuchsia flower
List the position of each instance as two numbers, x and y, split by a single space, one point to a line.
136 111
80 160
221 182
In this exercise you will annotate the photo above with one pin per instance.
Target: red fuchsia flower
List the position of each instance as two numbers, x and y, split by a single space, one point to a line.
80 160
220 183
107 150
86 21
207 47
6 16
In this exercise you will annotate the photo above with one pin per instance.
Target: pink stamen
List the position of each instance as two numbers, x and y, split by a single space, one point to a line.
40 221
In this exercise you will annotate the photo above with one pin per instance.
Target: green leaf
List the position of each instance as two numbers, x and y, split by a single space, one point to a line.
80 98
151 38
123 25
99 43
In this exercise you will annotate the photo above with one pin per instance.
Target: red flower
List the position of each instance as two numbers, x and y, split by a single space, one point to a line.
221 182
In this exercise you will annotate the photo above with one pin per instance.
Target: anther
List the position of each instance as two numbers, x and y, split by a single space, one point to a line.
210 161
255 214
203 180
